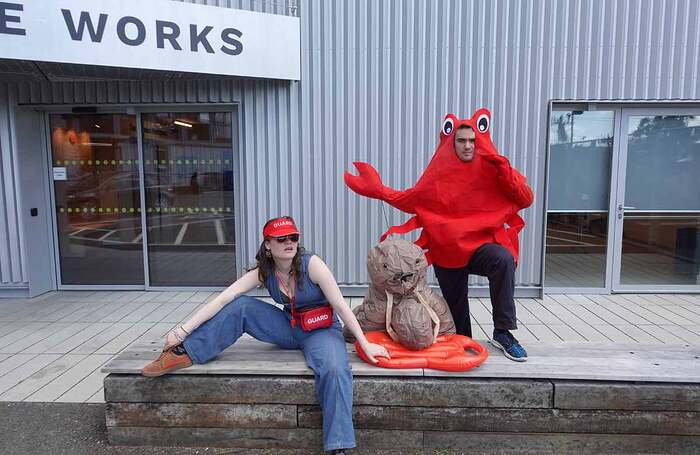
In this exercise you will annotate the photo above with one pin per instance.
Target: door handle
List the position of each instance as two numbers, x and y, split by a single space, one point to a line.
621 209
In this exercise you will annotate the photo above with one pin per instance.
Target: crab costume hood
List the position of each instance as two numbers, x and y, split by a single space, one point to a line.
460 205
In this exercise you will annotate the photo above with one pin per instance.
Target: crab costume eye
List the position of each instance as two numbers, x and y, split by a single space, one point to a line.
448 126
483 123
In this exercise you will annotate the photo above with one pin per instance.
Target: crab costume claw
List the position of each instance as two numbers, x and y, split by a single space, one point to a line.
368 183
448 353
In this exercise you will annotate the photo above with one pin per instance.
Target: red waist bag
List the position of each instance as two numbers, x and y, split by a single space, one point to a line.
316 318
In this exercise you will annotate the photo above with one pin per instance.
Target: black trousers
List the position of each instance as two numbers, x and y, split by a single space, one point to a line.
497 264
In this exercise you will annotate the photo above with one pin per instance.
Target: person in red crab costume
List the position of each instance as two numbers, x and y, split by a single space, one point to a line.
467 204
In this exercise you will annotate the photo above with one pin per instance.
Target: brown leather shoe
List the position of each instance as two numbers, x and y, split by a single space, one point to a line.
166 363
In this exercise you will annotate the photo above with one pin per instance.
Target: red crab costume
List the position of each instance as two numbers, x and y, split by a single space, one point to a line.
460 205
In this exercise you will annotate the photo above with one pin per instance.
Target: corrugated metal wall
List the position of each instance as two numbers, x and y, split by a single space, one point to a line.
12 273
377 78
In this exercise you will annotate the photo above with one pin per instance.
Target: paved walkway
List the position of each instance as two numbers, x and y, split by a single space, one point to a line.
53 347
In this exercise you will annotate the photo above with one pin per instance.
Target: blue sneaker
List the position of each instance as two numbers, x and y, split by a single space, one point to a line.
506 342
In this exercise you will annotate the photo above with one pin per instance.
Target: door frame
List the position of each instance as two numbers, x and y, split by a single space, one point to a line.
138 110
617 213
588 106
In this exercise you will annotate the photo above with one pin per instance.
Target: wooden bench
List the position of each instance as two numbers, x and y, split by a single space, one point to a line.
568 398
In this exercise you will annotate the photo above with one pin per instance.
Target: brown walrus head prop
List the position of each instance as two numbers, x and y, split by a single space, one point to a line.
397 265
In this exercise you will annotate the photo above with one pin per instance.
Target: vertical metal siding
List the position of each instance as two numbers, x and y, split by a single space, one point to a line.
11 240
377 78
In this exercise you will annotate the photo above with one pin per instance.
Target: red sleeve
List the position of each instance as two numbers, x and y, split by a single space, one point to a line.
513 183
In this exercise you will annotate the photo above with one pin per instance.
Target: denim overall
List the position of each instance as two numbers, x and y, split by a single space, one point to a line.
324 349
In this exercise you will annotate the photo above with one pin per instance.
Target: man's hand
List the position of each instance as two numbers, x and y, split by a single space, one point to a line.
375 350
499 161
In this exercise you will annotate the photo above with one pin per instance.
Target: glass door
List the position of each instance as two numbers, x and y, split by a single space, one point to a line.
579 174
97 199
657 211
188 176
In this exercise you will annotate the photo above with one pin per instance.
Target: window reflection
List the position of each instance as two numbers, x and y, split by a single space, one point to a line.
580 158
661 248
189 198
96 186
661 229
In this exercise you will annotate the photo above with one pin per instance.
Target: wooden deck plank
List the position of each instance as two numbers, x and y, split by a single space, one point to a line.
647 397
477 332
566 333
543 333
23 331
97 397
180 312
684 334
79 338
565 315
479 312
141 312
692 308
42 377
586 313
668 314
55 312
623 312
662 334
627 302
162 311
14 361
613 333
88 312
524 335
488 330
542 313
567 360
638 334
25 370
93 344
201 296
24 342
523 314
573 367
589 332
158 331
602 312
73 382
687 313
165 296
125 338
120 312
47 344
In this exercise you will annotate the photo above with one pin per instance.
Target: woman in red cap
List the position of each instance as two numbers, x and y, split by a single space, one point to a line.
312 302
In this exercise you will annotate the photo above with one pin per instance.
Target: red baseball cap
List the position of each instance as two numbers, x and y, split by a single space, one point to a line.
279 227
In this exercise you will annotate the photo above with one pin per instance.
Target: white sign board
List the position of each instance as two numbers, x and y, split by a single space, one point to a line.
152 34
59 173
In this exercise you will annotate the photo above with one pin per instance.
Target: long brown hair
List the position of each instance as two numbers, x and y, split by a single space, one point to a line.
266 264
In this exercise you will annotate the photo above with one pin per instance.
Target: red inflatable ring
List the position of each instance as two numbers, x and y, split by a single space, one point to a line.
448 353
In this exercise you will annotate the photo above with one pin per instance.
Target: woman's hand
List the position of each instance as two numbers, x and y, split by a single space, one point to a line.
375 350
174 337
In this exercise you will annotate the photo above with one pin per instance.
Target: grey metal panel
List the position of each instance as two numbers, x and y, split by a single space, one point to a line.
377 78
11 238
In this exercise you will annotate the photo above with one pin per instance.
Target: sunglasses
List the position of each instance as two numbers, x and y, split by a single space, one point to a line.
293 237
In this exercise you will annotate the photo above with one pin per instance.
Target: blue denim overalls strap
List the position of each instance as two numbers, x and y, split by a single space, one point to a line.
308 294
